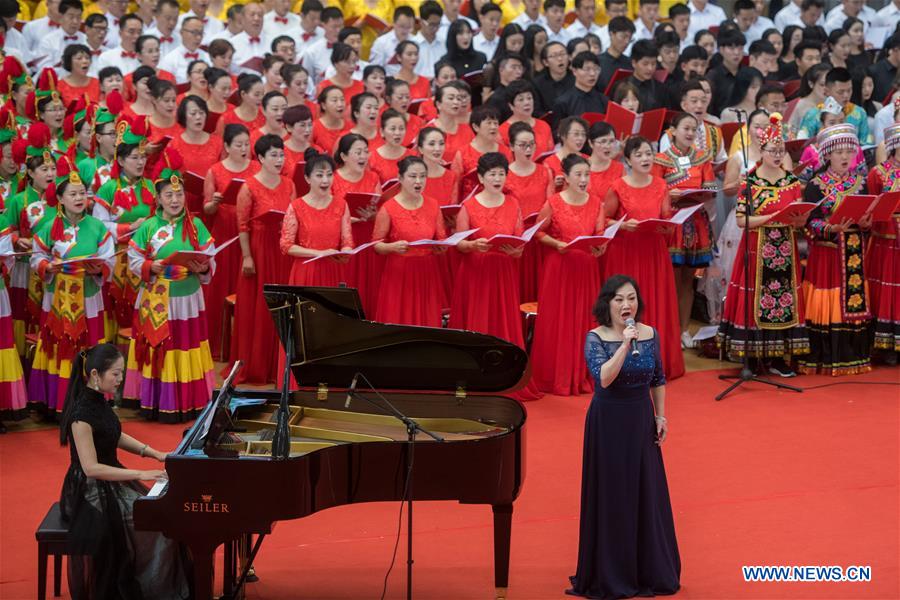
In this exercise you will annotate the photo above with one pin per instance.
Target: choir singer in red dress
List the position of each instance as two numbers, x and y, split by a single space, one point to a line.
570 282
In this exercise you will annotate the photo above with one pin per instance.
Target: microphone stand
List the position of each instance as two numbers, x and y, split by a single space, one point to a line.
412 428
746 374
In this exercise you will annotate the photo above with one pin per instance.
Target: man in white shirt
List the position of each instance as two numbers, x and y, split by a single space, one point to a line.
451 14
123 55
431 47
14 43
646 21
889 15
531 15
177 61
50 50
316 58
234 24
95 30
584 20
165 26
384 47
114 11
309 30
790 15
680 16
146 10
614 8
487 41
211 25
36 30
704 15
280 20
555 15
252 42
849 8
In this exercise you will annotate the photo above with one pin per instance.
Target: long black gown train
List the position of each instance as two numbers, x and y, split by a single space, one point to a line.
627 544
109 560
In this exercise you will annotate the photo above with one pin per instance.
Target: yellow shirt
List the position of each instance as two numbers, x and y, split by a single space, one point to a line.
354 9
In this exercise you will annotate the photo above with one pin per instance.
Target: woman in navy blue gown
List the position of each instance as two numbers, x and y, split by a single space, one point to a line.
626 543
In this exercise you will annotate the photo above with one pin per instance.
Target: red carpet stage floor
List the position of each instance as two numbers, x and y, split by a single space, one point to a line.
761 478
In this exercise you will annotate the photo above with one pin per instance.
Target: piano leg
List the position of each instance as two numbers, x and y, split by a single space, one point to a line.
502 534
203 555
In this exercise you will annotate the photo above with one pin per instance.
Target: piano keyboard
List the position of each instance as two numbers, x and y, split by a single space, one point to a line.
158 488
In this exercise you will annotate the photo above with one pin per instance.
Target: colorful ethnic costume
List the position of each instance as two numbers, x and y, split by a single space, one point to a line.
73 311
12 382
838 310
170 368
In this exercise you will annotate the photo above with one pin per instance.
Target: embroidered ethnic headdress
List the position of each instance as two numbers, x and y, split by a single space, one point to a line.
12 74
46 87
79 110
842 135
168 169
65 171
772 133
35 143
136 133
892 137
8 130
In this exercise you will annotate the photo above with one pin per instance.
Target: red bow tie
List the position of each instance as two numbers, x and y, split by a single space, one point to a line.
308 36
115 22
127 54
67 38
166 39
329 45
254 39
205 19
282 20
96 52
194 55
52 24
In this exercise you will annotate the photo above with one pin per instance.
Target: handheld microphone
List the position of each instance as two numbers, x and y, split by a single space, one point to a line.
351 390
634 349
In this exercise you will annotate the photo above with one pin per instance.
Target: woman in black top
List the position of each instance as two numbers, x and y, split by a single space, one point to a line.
460 53
108 558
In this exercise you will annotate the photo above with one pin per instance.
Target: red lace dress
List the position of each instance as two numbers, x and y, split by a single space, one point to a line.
230 117
320 229
255 340
532 192
465 162
364 269
444 189
882 264
485 294
645 257
326 138
198 159
386 168
553 163
455 141
412 287
157 133
602 180
543 138
569 287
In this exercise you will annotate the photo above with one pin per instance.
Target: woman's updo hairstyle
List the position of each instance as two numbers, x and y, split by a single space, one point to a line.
518 128
633 143
317 161
608 292
158 87
356 103
572 161
426 131
100 358
269 97
246 81
344 145
232 130
266 143
408 162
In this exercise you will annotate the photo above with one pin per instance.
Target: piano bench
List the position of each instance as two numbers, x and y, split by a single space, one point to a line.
227 315
529 315
52 536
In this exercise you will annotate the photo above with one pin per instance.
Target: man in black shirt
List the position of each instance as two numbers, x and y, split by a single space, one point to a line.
554 79
643 60
583 96
885 70
731 49
510 68
621 30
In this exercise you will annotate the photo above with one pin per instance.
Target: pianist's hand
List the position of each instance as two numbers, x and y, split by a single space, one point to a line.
152 475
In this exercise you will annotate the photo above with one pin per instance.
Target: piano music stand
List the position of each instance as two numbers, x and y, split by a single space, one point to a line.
412 428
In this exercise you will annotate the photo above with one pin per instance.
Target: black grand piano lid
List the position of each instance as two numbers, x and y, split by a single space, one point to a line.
332 342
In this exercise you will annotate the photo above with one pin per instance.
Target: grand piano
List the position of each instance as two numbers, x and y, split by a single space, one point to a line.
441 378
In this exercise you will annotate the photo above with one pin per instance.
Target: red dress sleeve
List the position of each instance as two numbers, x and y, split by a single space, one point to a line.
346 229
288 230
382 225
545 215
244 209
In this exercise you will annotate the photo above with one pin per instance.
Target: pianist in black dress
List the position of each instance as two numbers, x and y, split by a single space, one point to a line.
108 558
626 543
